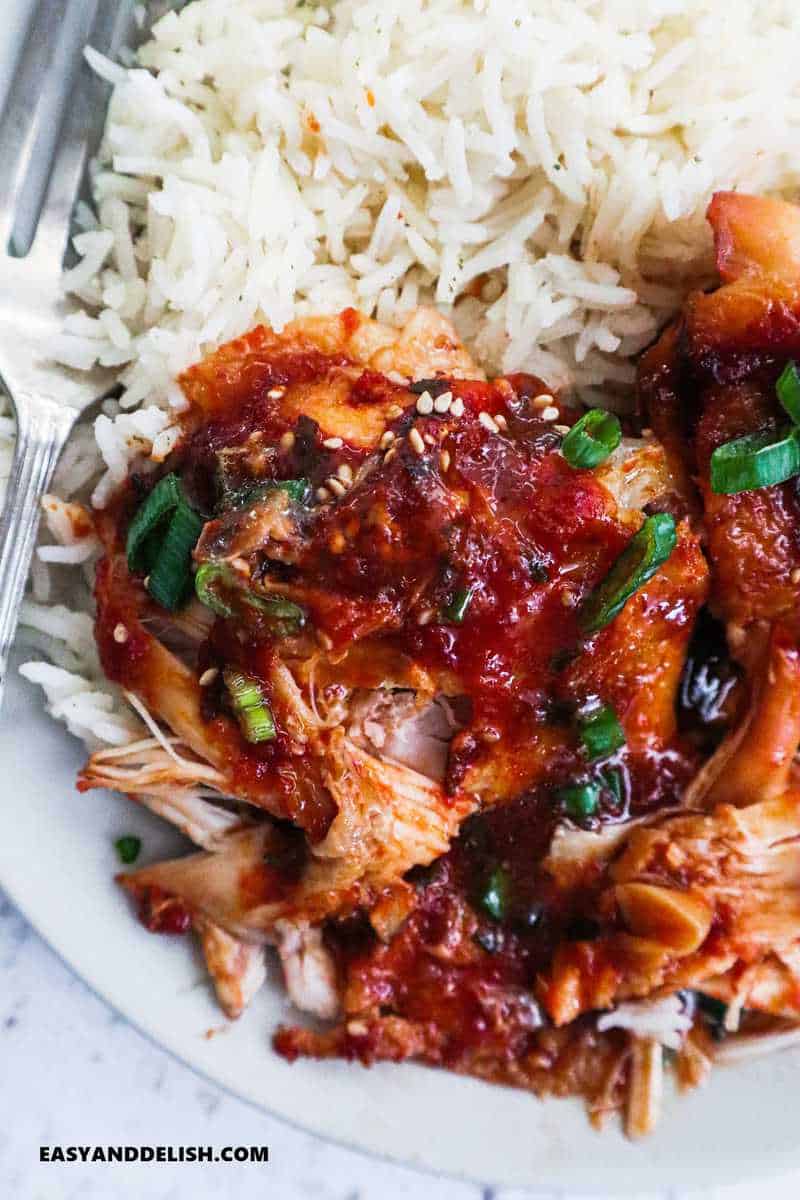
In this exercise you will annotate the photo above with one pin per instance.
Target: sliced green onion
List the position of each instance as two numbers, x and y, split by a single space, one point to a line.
252 711
456 610
615 783
580 800
591 440
755 461
128 849
206 586
250 491
160 541
601 733
214 579
645 553
296 489
159 504
788 389
493 897
278 609
170 578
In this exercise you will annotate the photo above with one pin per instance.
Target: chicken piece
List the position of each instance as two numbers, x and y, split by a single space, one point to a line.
756 237
343 347
755 760
237 968
389 819
438 550
398 727
689 897
711 379
173 694
309 971
434 993
639 476
636 662
769 986
577 1061
329 354
456 505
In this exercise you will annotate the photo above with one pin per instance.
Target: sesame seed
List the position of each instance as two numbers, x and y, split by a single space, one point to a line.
147 581
647 433
241 564
335 486
120 634
394 412
442 403
333 443
542 400
337 542
417 444
323 494
566 597
795 576
429 439
386 440
208 677
425 404
287 441
444 461
457 407
390 454
345 473
487 422
276 393
500 421
562 429
425 617
549 414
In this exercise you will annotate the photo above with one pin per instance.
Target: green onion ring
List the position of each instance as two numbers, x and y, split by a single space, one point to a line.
249 703
591 439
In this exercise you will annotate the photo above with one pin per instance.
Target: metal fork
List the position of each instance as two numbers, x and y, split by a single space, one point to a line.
49 127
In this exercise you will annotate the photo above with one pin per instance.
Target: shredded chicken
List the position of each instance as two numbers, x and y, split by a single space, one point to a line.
390 819
237 968
308 969
734 871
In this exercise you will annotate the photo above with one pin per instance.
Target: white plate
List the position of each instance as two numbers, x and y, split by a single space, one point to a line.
57 863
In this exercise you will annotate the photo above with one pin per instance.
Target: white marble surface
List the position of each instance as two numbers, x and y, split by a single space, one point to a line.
73 1072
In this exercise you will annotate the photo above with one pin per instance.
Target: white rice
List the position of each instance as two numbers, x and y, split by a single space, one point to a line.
539 169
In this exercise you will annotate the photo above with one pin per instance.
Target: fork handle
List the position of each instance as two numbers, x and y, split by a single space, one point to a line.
42 429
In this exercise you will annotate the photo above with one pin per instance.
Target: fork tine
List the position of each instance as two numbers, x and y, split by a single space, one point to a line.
80 136
31 123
